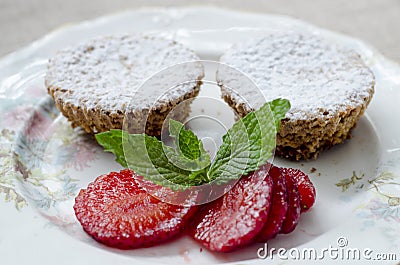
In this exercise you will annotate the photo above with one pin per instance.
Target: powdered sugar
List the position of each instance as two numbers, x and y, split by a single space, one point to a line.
318 77
106 73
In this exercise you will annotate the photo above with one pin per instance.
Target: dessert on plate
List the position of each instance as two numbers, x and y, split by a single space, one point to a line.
328 85
98 83
256 201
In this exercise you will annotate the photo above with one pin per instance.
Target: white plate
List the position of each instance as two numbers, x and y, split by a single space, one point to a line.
43 162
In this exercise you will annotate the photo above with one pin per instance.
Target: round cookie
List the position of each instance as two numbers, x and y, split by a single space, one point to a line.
329 88
99 83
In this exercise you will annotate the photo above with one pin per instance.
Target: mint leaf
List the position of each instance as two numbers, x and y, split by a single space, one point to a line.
148 157
186 141
153 160
279 107
112 142
189 146
249 143
161 164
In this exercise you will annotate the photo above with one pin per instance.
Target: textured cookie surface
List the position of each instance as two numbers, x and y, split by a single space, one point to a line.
95 83
328 85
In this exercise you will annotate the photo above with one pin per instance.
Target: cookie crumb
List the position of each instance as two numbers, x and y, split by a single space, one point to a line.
313 169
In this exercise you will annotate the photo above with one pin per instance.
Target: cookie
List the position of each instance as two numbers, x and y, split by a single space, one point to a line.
104 84
329 87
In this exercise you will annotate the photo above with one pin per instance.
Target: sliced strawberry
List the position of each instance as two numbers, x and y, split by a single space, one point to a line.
236 218
277 212
117 212
305 187
293 212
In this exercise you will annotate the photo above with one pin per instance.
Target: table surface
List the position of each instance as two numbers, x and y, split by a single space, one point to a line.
374 21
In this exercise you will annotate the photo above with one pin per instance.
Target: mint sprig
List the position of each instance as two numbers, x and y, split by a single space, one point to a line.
192 155
249 143
245 147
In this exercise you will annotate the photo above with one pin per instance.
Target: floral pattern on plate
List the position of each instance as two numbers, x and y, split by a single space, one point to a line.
37 148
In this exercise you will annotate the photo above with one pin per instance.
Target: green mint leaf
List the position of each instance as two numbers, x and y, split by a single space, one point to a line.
190 150
188 145
159 163
153 160
249 143
186 141
112 142
279 107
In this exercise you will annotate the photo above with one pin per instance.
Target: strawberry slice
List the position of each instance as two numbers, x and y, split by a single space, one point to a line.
236 218
306 188
279 207
293 212
117 212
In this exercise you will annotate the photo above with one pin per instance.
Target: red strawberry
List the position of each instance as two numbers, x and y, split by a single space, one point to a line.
293 212
279 207
305 187
236 218
117 212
